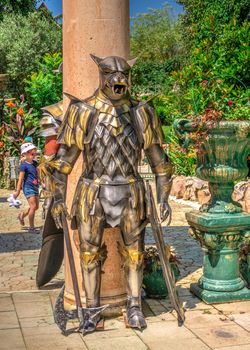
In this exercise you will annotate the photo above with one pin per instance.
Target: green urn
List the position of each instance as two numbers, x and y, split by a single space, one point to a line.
220 226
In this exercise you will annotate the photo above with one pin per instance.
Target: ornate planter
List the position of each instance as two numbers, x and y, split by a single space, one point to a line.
221 227
154 283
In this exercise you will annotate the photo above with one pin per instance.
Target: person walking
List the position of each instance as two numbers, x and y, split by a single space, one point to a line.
28 182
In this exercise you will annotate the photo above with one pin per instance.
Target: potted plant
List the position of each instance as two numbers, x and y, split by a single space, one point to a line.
153 280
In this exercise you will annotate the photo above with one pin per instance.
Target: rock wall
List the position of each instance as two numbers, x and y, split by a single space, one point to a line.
195 189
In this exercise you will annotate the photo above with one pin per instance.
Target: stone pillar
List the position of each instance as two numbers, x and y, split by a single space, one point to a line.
100 27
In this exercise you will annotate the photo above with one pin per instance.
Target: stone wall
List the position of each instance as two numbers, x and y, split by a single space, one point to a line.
195 189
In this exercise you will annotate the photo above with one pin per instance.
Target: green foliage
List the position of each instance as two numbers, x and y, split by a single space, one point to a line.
149 77
17 6
23 42
18 123
216 74
201 18
184 161
44 87
154 36
156 41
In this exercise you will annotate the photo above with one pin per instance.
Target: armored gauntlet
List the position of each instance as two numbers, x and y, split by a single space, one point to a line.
163 170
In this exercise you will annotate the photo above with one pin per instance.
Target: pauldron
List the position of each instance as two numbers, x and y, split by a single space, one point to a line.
47 164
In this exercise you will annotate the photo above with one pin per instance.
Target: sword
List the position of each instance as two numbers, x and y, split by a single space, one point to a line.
160 244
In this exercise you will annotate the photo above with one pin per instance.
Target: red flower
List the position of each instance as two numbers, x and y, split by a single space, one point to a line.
230 102
205 81
20 111
10 104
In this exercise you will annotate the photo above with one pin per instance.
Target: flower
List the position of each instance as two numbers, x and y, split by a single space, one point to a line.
205 81
20 111
10 104
230 102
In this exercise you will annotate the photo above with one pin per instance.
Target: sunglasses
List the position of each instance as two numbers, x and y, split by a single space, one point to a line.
32 153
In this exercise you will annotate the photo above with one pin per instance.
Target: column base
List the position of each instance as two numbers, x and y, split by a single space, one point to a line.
212 297
117 303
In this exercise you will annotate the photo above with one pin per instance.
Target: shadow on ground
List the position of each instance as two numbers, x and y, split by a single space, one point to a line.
19 241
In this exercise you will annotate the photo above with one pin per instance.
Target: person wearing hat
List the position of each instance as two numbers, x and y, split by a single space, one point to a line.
28 182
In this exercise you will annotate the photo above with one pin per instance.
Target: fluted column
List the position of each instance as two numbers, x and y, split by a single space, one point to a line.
100 27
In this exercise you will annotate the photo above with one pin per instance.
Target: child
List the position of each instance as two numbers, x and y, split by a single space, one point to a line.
28 181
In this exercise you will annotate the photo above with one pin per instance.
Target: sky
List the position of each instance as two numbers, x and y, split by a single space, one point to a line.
136 6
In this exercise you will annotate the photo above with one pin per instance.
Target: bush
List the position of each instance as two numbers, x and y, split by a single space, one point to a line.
44 87
216 75
23 42
18 123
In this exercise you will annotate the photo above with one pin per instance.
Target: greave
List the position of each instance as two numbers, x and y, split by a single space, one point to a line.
92 283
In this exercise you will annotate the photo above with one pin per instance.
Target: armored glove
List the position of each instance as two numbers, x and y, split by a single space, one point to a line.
59 208
163 187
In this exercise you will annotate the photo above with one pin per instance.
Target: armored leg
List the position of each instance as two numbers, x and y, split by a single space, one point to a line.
133 265
92 254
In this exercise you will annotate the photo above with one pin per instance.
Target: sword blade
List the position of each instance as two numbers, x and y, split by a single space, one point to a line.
160 244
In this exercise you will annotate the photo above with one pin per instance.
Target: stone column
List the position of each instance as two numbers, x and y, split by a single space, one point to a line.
100 27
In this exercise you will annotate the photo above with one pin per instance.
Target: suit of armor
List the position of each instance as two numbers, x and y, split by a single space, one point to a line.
110 130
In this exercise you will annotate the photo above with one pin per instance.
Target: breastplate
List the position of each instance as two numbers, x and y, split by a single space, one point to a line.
114 148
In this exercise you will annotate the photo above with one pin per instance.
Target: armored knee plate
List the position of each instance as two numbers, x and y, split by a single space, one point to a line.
90 260
132 258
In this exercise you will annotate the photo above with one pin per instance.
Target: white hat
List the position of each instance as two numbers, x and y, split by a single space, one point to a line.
27 146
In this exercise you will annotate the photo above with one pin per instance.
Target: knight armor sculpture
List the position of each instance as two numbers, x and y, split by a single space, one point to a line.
110 130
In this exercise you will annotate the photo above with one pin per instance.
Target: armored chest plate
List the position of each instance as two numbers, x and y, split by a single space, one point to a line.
114 148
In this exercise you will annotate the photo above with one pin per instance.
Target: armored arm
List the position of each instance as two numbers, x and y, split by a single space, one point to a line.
61 167
152 139
163 170
72 139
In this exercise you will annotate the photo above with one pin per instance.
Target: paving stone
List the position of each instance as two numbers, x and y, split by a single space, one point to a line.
119 343
243 320
4 295
11 339
8 319
28 297
164 330
201 319
34 309
54 341
227 335
6 304
237 347
36 322
176 344
195 304
234 308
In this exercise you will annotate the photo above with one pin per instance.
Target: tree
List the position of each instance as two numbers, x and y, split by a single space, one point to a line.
17 6
216 74
154 36
23 42
155 40
206 18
